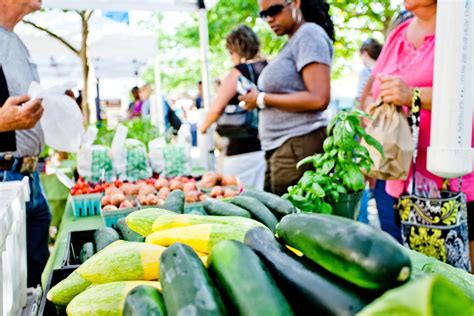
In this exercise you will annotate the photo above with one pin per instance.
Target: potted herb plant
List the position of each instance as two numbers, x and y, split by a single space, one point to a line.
336 184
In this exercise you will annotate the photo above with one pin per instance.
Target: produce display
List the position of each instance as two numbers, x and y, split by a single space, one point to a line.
228 261
119 195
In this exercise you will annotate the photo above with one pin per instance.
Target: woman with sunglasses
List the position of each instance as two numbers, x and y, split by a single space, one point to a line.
244 157
294 88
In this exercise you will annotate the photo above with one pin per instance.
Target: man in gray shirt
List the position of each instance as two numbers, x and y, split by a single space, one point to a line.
20 128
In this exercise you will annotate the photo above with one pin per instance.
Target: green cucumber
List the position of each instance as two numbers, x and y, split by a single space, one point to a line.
245 283
104 237
174 202
144 300
187 288
309 289
356 252
127 233
257 210
216 207
87 251
280 207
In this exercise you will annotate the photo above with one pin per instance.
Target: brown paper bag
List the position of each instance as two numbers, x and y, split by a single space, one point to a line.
390 127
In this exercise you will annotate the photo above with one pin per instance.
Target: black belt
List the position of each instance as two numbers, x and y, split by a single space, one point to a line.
25 165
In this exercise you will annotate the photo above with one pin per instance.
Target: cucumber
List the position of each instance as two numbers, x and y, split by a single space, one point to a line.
87 251
245 283
174 202
257 210
356 252
280 207
144 300
216 207
309 290
187 288
104 237
127 233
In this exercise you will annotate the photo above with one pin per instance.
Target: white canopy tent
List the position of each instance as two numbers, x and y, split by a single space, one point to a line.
205 143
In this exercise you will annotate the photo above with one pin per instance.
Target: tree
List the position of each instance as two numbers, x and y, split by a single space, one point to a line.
81 52
354 20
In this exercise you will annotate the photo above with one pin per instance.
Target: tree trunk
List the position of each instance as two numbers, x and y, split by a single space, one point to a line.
83 54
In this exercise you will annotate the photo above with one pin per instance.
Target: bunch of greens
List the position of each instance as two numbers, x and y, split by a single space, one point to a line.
138 128
339 170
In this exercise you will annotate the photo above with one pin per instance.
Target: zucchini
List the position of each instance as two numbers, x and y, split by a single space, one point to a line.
187 288
280 207
87 251
128 261
182 220
104 299
144 300
309 290
174 202
63 292
141 221
245 283
219 208
356 252
202 237
257 210
104 237
127 233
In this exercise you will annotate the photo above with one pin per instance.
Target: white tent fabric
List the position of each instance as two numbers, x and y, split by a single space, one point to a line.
127 5
115 49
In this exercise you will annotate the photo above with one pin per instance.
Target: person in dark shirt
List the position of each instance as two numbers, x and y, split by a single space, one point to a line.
244 157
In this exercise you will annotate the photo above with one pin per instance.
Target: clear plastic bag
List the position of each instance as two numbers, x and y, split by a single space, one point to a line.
62 120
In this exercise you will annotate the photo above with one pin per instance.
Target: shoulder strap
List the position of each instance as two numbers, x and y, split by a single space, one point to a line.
414 121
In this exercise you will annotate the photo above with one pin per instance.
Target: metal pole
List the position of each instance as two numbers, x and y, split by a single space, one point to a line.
205 142
450 153
157 109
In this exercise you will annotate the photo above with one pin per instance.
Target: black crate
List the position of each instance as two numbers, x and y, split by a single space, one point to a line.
46 307
75 241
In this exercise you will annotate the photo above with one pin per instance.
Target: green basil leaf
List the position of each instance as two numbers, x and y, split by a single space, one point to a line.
317 190
325 208
374 143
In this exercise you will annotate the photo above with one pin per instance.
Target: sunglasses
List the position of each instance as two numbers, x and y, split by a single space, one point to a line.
274 10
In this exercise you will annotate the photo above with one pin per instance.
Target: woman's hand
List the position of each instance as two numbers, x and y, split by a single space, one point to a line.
250 99
394 90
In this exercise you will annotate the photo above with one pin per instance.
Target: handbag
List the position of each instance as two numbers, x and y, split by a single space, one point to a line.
390 127
236 122
436 227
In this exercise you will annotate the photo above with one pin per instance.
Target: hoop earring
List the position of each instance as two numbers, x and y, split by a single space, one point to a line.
296 15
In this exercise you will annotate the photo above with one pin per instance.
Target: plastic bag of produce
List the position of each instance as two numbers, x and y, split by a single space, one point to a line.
155 148
170 159
432 295
95 163
137 166
62 121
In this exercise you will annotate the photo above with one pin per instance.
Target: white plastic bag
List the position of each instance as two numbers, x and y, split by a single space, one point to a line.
62 120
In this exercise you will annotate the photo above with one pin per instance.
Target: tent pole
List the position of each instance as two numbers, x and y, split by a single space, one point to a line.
157 115
450 153
205 142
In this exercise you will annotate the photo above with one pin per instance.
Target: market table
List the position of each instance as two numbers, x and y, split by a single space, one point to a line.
68 224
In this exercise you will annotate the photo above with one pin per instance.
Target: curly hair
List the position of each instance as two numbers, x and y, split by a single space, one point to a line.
317 11
244 42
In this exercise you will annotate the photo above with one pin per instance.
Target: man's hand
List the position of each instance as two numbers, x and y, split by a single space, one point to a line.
20 113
